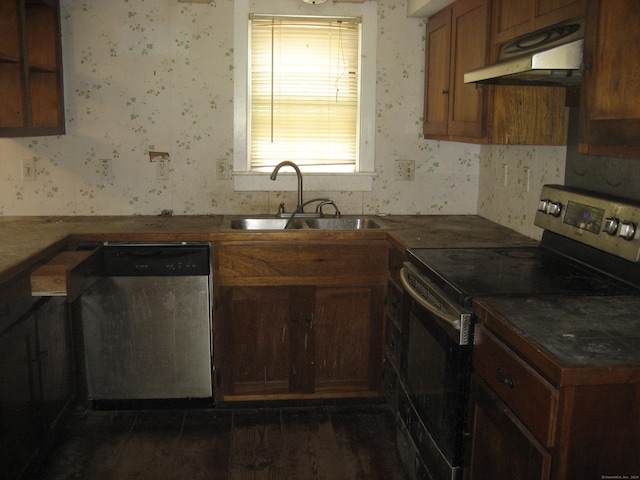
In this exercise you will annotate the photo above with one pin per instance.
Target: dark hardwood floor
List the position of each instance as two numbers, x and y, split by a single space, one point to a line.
332 443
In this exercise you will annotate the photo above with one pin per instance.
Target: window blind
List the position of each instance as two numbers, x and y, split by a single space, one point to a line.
304 93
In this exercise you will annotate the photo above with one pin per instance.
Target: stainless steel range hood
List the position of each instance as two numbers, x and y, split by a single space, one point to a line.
552 56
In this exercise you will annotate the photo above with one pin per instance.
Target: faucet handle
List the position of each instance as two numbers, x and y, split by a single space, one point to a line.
281 208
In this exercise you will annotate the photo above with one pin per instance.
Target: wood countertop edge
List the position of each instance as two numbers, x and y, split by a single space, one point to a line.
546 363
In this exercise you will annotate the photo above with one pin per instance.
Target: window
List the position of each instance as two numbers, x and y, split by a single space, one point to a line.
354 174
304 92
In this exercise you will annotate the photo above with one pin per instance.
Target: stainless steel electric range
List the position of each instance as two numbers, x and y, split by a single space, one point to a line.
590 247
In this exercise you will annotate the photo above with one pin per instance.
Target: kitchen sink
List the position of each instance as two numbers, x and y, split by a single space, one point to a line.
344 223
248 223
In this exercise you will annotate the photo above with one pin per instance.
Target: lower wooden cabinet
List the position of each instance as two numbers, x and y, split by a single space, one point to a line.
502 445
36 383
535 417
19 379
299 320
294 341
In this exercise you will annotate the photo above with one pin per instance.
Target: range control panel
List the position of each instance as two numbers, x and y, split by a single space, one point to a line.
607 223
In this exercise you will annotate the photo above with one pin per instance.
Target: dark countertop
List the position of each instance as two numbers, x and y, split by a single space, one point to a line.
573 332
25 241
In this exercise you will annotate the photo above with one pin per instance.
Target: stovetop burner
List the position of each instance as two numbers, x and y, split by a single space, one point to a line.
466 273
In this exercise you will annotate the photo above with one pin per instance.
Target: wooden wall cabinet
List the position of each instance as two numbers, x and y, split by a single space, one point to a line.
299 320
610 111
514 18
458 40
32 101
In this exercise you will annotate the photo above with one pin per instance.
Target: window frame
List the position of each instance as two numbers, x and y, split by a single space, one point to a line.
362 180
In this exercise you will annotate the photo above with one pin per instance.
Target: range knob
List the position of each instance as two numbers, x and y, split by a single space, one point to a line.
543 205
611 225
627 230
554 209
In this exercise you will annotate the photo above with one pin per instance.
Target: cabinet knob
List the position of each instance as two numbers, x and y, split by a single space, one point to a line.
445 92
504 380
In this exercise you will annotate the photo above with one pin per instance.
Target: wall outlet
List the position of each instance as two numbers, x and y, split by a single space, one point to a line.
405 169
162 169
29 170
105 168
222 169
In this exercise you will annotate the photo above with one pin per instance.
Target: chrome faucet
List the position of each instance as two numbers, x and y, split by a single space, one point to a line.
327 202
274 174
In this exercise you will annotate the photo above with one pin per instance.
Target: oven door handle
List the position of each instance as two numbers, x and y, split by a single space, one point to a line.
454 320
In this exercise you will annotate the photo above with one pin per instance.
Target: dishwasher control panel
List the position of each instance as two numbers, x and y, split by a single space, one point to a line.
156 259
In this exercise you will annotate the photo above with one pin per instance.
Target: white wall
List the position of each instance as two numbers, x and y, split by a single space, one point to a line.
158 75
511 205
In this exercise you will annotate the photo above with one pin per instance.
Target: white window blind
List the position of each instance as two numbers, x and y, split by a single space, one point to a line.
304 93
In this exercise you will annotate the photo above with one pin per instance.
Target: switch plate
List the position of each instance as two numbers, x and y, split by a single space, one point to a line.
405 169
105 168
162 169
29 170
222 169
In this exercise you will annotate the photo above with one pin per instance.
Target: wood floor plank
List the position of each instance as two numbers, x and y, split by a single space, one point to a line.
204 450
150 449
306 443
366 438
257 449
91 447
311 449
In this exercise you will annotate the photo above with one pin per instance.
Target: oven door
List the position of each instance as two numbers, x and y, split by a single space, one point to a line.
435 373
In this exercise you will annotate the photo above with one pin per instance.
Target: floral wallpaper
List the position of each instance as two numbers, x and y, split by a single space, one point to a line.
157 75
504 197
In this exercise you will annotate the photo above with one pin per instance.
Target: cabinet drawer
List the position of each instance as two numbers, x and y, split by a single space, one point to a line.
67 274
300 264
15 300
532 399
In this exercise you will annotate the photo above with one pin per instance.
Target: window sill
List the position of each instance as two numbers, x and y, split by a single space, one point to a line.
335 182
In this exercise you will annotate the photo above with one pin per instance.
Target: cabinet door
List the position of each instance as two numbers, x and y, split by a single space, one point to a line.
56 359
19 386
501 447
348 339
30 69
469 33
437 71
610 122
550 12
253 340
514 18
511 18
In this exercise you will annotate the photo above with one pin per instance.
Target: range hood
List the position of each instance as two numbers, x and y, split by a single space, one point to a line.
552 56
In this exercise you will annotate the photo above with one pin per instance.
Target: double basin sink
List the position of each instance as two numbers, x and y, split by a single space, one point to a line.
318 223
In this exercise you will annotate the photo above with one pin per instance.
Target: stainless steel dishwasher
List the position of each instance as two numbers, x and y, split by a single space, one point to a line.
147 323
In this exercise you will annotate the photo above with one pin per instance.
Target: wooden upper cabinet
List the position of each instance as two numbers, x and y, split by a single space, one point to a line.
469 40
30 68
514 18
437 66
456 43
610 111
